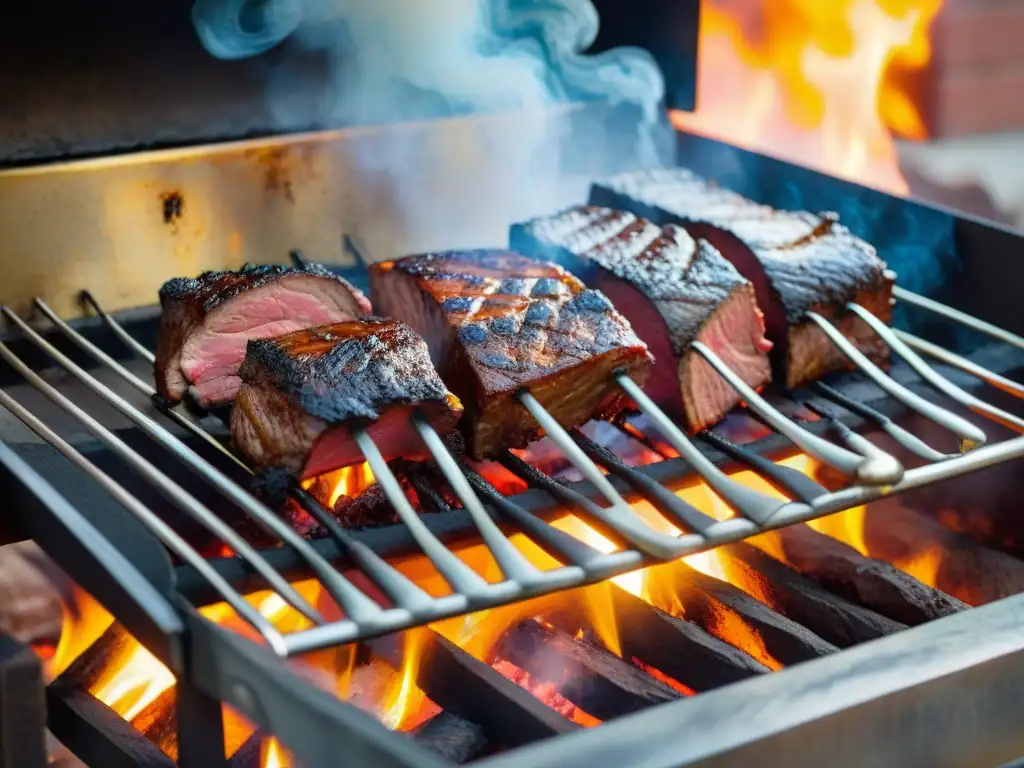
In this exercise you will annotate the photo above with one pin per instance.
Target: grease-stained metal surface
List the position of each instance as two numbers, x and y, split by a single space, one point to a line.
124 225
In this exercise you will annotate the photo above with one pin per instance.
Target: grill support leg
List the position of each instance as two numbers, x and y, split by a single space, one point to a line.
22 707
200 729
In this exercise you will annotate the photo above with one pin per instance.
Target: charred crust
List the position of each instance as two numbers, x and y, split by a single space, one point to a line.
273 486
684 278
215 287
347 371
825 265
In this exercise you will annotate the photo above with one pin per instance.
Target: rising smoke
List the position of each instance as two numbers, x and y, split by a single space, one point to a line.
406 60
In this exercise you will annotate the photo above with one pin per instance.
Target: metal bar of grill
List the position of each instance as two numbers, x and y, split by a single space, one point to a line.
640 543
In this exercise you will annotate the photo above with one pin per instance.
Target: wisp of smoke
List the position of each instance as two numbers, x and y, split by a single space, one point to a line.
405 60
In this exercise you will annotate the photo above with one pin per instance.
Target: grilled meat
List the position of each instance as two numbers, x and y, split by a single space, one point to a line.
673 290
207 321
797 261
497 323
302 393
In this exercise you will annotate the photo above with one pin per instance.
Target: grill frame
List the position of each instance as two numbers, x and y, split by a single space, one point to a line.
214 665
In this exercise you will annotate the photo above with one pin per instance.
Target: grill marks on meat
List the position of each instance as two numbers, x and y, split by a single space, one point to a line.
302 393
675 290
797 261
207 321
498 322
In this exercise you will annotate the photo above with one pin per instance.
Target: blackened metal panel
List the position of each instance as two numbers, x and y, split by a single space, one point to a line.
668 29
22 707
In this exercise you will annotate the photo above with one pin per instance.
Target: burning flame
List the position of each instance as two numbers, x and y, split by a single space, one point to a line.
347 481
133 686
405 700
274 755
823 83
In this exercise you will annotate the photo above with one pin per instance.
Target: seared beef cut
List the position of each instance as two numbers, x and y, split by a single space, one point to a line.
207 321
498 323
797 261
302 393
673 290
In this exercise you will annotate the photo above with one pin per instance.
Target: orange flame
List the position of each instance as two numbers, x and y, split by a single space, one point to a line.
819 83
347 481
274 755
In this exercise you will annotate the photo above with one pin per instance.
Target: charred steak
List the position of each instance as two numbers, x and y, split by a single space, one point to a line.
673 290
302 393
497 323
797 261
207 321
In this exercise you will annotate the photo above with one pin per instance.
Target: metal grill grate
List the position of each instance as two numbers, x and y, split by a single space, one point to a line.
874 472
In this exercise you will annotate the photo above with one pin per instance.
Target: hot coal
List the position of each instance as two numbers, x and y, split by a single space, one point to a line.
957 565
730 614
868 582
803 600
452 737
302 393
207 321
467 687
592 678
498 323
677 647
88 727
674 290
158 722
797 261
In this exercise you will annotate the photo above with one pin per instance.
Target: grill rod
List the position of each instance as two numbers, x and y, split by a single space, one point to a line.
969 434
951 358
909 441
130 341
926 372
756 506
969 321
170 538
876 468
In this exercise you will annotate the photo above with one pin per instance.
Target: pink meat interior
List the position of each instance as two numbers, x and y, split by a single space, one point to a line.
212 355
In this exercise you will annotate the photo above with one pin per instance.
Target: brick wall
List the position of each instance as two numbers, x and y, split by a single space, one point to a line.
976 81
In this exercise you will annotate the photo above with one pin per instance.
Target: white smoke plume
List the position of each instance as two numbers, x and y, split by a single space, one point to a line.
403 60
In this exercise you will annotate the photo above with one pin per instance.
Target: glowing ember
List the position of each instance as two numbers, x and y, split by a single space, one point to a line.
546 692
819 83
347 481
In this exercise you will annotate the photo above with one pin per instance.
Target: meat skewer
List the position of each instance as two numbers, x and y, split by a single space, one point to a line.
302 393
675 289
497 324
207 321
797 261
